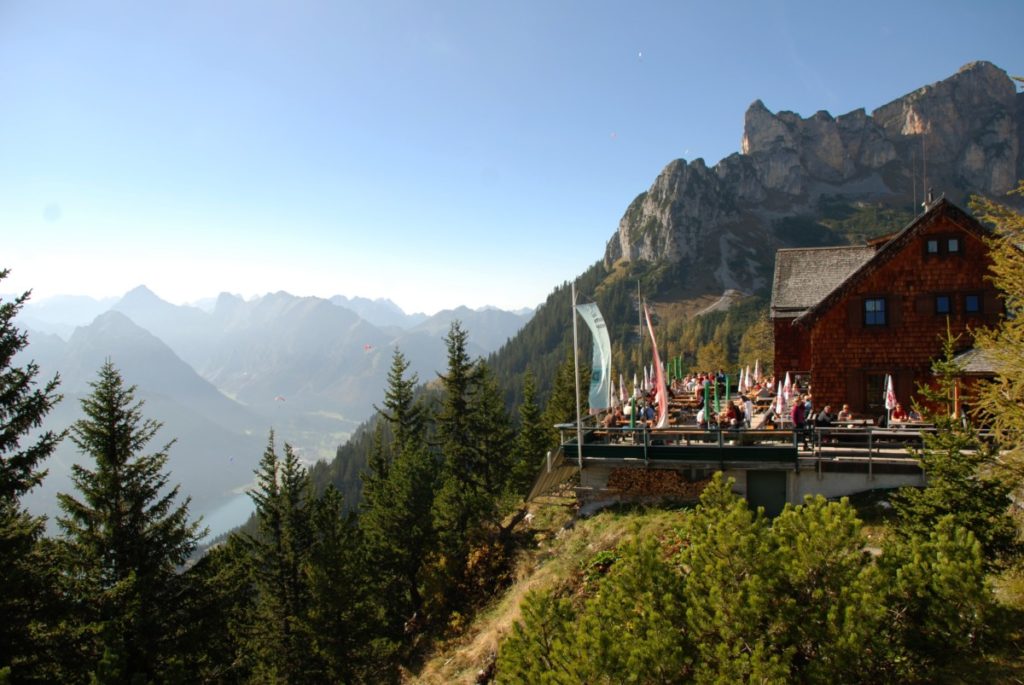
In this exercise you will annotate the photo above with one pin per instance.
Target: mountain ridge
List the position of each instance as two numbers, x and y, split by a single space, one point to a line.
721 223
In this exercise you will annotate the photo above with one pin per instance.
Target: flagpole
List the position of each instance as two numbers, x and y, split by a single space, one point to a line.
576 366
640 322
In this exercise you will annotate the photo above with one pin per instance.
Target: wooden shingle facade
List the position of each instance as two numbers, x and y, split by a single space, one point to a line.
847 316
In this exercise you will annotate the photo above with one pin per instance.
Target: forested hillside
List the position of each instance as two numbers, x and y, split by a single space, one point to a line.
442 563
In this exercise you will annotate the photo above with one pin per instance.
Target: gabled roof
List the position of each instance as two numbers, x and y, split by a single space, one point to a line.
976 362
803 276
942 208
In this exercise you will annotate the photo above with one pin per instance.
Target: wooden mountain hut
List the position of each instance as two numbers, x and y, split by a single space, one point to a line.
847 316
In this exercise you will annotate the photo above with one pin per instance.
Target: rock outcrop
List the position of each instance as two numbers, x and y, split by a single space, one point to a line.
959 136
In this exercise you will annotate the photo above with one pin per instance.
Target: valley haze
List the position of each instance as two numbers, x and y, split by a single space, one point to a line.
222 377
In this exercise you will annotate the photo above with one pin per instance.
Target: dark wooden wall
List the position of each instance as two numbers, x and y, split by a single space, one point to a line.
845 353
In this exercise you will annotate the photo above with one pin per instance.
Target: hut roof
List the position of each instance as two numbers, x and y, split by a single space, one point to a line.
941 208
803 276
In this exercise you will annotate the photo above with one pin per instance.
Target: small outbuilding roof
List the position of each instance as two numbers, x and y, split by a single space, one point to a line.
976 362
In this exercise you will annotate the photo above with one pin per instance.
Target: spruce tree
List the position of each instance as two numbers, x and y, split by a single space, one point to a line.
126 537
278 555
561 406
493 430
402 412
455 422
462 503
398 492
23 406
961 471
531 441
339 618
398 532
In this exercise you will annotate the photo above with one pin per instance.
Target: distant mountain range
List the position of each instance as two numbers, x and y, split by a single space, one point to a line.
221 379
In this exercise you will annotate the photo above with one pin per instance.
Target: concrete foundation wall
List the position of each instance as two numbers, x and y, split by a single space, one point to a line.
594 482
844 484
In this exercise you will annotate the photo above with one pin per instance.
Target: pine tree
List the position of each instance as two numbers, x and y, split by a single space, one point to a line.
938 602
462 504
339 618
1001 401
758 343
406 417
712 356
126 535
402 419
960 470
278 556
398 493
493 430
633 629
531 440
561 406
455 422
23 406
399 535
540 648
216 616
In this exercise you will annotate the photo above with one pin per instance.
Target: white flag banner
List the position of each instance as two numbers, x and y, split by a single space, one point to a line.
890 394
601 366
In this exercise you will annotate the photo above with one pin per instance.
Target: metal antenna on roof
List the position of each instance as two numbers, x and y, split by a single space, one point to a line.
913 175
924 165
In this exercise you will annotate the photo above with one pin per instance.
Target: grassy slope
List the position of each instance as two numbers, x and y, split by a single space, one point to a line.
566 556
561 557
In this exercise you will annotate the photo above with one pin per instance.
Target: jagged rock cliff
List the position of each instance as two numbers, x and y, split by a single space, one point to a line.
721 224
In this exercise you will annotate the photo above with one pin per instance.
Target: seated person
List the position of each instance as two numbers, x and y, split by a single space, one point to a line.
845 414
732 415
614 419
899 414
824 417
702 417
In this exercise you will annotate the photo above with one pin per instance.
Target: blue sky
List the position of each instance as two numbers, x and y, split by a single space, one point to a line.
435 153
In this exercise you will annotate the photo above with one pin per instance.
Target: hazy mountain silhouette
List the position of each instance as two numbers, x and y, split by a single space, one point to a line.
61 314
380 312
218 441
189 331
220 379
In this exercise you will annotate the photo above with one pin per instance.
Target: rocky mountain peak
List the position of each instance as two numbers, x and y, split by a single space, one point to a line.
959 136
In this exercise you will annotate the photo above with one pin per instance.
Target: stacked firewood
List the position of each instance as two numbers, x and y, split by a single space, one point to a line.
660 482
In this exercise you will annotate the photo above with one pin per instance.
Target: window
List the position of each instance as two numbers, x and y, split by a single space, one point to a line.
942 304
943 246
874 311
972 304
874 393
